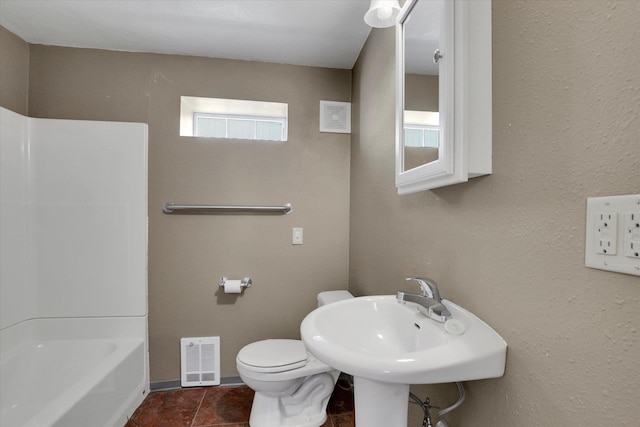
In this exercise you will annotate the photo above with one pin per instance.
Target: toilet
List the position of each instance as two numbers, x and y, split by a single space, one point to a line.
292 387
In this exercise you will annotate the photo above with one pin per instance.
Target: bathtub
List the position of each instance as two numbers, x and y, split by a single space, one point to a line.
72 372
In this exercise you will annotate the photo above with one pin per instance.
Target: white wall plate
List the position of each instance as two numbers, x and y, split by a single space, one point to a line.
613 233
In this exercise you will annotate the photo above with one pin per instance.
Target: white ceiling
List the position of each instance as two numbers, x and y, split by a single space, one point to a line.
325 33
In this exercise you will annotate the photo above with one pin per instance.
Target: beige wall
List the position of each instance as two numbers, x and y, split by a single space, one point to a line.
188 254
14 72
510 246
421 92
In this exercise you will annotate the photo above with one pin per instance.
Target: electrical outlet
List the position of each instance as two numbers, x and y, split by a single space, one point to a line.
631 244
613 234
606 233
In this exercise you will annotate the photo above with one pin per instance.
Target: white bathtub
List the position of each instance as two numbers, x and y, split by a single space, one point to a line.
72 372
73 276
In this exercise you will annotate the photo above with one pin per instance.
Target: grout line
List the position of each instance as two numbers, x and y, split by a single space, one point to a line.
225 424
195 415
331 422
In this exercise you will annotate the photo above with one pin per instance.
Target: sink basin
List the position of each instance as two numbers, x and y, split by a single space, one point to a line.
381 339
387 345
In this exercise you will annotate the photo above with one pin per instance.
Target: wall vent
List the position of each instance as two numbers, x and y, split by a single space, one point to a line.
200 361
335 117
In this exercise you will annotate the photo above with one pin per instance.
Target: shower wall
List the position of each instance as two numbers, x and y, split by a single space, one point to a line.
73 219
18 293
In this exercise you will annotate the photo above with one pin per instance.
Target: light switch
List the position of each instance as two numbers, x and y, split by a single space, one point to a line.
613 234
297 236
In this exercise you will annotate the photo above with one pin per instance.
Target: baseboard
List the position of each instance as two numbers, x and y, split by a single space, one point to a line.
231 381
175 384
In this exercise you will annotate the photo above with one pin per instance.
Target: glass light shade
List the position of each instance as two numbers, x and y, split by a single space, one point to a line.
382 13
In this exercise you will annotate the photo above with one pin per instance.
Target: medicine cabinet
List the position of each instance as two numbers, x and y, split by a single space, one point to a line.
443 93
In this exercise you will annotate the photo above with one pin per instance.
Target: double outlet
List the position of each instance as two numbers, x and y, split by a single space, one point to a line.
607 233
613 233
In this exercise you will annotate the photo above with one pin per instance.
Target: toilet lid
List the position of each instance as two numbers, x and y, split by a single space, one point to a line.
274 355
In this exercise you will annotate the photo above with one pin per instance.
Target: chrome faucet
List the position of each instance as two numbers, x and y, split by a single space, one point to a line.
429 303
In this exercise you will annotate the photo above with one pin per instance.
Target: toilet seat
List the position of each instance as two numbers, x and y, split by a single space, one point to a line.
274 355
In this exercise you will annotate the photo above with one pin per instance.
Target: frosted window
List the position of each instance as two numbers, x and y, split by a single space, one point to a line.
233 119
269 131
421 129
421 136
211 127
412 137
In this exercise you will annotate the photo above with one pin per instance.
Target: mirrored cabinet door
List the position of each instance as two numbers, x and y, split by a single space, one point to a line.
443 93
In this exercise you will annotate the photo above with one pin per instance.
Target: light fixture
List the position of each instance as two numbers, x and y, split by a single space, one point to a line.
382 13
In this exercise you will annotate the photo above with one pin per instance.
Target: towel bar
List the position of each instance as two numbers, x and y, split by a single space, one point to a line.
170 207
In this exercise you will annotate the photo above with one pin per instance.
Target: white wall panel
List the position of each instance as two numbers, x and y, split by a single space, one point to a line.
74 218
17 290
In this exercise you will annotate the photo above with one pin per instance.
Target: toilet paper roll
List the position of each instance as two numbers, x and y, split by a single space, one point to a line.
232 286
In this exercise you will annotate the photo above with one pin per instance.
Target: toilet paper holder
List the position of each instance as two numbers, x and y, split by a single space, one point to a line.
244 283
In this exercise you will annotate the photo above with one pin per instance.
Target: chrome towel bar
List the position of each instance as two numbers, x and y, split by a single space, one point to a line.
170 207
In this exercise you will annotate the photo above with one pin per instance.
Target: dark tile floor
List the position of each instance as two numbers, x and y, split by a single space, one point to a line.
227 406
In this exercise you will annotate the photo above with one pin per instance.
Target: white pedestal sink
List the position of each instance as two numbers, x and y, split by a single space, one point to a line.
387 346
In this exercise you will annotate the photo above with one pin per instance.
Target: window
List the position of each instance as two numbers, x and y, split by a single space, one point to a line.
233 119
421 129
421 136
240 127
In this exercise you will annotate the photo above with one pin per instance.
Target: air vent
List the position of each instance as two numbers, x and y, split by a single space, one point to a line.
200 361
335 117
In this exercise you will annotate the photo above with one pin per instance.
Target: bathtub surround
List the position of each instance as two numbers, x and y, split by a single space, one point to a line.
510 246
73 306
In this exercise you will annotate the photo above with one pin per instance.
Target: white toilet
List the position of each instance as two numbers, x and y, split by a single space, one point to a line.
292 388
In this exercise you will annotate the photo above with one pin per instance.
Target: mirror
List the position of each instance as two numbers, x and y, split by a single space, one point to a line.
421 110
443 93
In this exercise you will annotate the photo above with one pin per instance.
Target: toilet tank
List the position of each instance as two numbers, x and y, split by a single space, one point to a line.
327 297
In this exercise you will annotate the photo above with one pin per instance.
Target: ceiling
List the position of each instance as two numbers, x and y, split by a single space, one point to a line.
324 33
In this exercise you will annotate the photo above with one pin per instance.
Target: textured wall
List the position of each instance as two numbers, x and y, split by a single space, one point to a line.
510 246
188 254
14 72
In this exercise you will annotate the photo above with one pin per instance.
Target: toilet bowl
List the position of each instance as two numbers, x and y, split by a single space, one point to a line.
292 387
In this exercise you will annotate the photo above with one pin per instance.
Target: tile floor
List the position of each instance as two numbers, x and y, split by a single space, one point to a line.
227 406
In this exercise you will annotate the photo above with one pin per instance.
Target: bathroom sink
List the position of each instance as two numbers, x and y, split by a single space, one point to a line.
378 338
387 345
